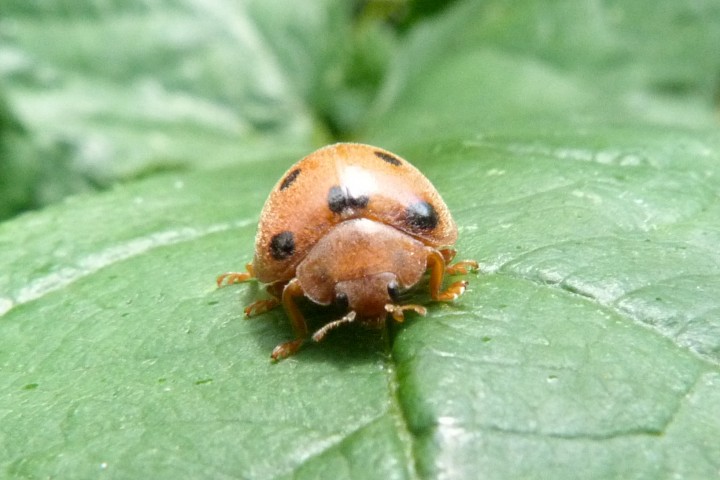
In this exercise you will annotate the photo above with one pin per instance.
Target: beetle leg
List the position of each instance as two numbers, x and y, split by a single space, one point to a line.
291 291
448 254
229 278
276 289
460 268
261 306
436 264
320 334
397 311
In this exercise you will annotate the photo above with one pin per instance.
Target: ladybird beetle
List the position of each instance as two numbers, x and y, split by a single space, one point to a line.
353 225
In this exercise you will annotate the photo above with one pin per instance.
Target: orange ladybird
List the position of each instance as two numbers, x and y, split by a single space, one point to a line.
353 225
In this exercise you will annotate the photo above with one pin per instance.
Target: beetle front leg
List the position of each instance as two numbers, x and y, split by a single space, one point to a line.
291 291
436 265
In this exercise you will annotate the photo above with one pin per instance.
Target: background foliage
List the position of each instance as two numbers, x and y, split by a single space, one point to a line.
575 142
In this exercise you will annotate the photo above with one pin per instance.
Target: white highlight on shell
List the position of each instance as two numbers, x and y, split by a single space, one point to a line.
358 181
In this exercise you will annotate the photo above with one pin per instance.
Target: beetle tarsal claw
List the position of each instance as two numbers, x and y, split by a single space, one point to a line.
320 334
397 311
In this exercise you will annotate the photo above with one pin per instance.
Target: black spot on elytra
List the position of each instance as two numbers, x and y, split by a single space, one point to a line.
391 159
282 245
289 179
339 199
421 216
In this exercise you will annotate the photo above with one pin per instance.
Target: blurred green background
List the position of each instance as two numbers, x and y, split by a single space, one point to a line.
576 143
97 93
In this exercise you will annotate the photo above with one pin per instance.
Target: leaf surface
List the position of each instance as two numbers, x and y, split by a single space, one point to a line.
587 346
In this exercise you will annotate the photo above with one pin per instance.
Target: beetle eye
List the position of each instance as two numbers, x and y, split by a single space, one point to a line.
394 291
341 300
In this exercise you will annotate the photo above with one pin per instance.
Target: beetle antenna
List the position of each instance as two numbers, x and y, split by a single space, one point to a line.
320 334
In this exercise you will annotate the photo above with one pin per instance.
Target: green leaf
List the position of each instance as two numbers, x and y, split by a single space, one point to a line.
587 347
122 90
